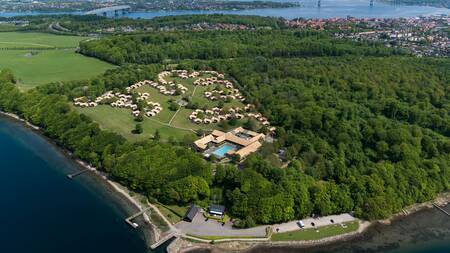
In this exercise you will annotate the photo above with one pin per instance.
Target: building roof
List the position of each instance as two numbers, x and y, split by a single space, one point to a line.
216 208
243 152
246 139
191 212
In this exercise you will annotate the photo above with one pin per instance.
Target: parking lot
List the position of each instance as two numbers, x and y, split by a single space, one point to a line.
318 222
200 227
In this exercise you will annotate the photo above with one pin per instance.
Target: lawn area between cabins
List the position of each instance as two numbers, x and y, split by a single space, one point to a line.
316 233
121 121
34 60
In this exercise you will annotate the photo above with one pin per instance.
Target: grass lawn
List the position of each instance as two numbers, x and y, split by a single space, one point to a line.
173 213
37 40
158 221
7 28
121 121
155 96
312 234
23 53
212 238
50 66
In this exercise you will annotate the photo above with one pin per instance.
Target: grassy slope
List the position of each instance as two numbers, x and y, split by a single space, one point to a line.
37 40
121 120
50 66
173 213
47 65
312 234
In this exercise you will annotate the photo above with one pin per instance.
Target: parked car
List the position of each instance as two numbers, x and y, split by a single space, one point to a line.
301 224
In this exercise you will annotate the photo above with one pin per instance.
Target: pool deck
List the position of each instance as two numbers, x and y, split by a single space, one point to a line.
213 150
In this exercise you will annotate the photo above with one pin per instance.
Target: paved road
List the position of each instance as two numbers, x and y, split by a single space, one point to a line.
211 227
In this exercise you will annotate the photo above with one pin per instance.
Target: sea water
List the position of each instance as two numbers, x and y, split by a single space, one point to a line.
308 9
43 211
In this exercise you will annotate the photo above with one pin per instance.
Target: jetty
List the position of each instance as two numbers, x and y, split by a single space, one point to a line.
441 209
73 175
163 240
129 219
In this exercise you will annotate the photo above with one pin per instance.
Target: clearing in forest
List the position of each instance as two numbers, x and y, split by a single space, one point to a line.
177 104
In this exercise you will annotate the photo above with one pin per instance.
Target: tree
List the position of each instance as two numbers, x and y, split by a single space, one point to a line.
138 129
173 106
157 135
251 124
139 118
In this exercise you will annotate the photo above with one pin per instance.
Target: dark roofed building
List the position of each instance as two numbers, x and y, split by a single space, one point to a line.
216 210
191 212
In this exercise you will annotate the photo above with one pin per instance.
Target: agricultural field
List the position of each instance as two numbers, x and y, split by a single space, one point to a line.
38 59
38 40
169 123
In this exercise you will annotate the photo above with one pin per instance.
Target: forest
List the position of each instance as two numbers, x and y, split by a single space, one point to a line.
89 24
92 23
161 47
368 135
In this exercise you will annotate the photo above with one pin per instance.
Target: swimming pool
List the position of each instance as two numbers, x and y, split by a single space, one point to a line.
222 150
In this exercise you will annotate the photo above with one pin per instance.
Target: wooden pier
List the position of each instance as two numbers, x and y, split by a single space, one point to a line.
129 219
73 175
441 209
163 240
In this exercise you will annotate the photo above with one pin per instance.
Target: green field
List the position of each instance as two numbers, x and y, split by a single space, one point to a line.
316 233
7 28
121 121
37 40
34 67
172 212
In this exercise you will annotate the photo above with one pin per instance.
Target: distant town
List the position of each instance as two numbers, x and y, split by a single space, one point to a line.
423 36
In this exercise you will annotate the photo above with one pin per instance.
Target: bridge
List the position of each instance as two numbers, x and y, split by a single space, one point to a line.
117 10
319 3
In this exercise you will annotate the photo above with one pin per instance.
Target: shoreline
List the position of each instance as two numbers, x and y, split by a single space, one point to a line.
183 246
152 233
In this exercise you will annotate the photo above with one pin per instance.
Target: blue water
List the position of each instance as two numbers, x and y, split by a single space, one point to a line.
43 211
221 151
309 9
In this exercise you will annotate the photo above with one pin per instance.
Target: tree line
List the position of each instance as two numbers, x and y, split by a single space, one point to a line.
170 173
161 47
